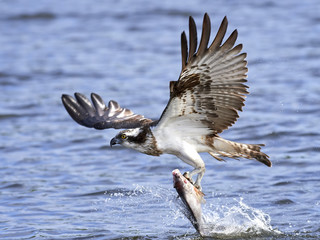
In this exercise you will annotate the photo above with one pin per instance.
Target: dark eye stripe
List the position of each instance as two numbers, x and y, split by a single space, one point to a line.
141 137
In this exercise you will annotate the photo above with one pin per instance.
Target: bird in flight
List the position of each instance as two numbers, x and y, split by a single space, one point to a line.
203 102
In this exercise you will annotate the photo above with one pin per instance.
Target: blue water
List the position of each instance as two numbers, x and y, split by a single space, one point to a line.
60 180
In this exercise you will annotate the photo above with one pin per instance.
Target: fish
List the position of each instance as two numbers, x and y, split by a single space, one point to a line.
192 199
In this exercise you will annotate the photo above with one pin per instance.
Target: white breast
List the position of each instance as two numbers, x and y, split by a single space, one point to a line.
175 140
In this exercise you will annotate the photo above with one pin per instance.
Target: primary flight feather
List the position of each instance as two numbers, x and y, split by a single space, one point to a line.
203 102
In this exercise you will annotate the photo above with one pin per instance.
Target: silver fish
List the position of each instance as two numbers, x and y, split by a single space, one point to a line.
192 199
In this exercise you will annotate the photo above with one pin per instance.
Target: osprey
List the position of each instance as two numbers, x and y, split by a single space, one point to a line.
203 102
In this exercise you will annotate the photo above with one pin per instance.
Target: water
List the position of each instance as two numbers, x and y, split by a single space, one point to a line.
62 181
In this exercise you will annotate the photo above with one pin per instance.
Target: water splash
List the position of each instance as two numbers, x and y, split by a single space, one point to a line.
239 220
231 220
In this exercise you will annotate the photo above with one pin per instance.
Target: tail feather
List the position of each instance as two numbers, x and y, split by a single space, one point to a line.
235 150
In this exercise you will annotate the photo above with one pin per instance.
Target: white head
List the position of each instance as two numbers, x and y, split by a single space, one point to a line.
140 139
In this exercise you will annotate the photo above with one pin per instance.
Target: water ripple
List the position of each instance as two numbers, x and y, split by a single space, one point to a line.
33 16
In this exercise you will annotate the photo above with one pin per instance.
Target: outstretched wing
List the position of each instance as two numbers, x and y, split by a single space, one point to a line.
210 88
99 116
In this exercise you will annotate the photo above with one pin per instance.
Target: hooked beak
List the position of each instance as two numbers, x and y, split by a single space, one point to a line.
115 141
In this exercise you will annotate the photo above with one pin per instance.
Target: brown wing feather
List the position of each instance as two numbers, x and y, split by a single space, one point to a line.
210 86
220 35
99 116
193 41
205 36
184 50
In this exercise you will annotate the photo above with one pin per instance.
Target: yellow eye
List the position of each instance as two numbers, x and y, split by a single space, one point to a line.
123 136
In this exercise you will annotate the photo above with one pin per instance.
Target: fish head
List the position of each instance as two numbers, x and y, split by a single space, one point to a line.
179 181
185 187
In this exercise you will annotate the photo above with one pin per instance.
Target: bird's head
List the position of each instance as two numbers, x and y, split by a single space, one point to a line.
130 137
140 139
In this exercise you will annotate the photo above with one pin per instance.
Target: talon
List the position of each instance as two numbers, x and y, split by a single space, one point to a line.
187 176
198 187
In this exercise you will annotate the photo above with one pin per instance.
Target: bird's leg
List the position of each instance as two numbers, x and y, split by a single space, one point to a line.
200 171
191 156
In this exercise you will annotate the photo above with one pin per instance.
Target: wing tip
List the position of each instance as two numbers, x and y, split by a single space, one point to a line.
65 98
225 19
75 110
